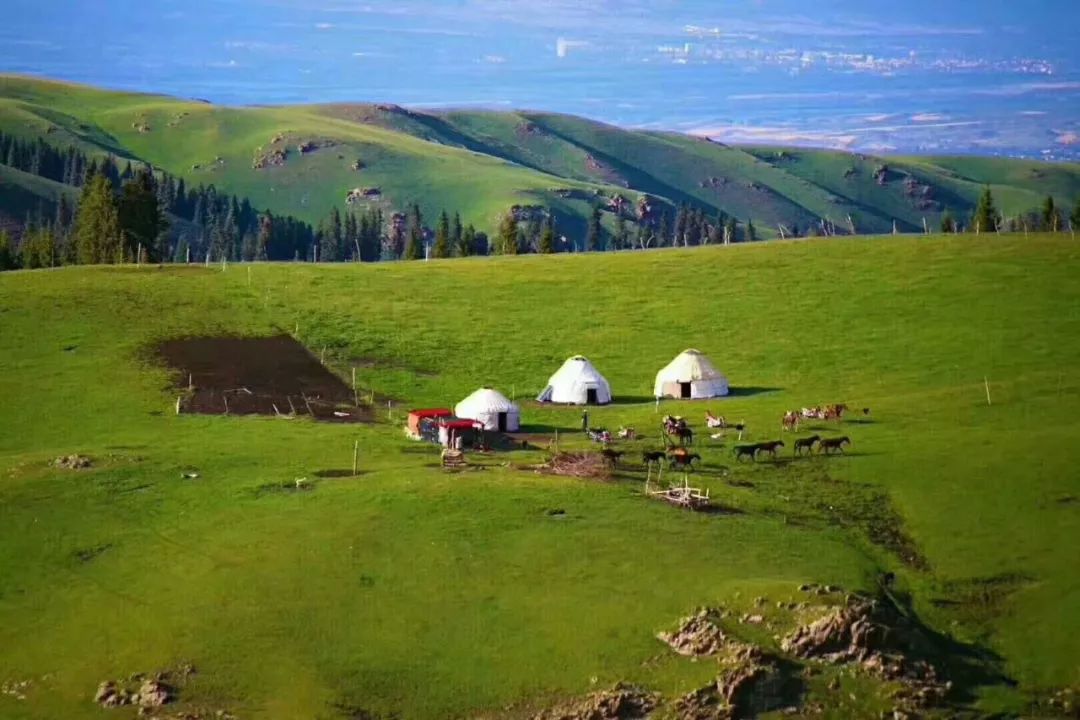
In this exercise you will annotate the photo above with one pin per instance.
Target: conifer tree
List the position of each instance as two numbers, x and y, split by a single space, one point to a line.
414 235
546 245
1051 221
142 222
467 245
441 248
986 216
506 240
751 232
7 257
97 227
621 237
593 233
948 224
456 233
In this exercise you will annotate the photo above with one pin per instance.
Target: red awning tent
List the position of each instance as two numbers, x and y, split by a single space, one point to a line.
416 416
453 430
458 424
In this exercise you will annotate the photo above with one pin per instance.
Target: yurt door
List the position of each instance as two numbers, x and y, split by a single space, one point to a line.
502 422
590 396
685 390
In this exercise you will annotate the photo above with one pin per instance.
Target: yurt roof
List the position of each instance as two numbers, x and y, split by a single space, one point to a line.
691 365
489 400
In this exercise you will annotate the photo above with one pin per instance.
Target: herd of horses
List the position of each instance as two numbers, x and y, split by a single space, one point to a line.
681 458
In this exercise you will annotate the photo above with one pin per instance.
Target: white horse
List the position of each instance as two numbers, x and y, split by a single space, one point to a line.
714 421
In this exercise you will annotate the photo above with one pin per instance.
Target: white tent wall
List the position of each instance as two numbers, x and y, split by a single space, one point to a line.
577 382
492 409
692 371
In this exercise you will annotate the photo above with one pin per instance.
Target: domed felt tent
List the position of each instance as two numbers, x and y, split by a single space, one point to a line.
490 408
690 376
577 382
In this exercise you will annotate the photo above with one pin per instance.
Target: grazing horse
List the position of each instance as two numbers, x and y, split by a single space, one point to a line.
611 457
714 421
672 423
682 460
653 456
790 421
806 444
685 435
834 412
828 445
741 451
769 447
627 433
814 413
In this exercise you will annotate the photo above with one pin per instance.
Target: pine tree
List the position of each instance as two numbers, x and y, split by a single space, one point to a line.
731 230
664 232
97 226
986 216
414 235
622 236
751 233
506 240
456 233
1051 221
467 244
680 226
441 248
948 224
546 245
593 233
142 222
7 257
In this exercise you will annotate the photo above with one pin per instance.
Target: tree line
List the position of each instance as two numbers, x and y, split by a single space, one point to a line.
987 218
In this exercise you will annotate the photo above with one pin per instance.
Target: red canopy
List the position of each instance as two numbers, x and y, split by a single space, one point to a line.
431 413
458 424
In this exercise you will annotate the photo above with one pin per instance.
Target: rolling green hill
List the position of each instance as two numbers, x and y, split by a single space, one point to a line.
412 593
303 160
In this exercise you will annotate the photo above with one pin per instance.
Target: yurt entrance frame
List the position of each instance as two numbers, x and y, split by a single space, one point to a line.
590 397
686 390
502 422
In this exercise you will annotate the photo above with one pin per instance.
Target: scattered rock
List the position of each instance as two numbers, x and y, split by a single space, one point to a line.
72 462
357 165
697 635
358 194
753 619
153 693
622 702
274 157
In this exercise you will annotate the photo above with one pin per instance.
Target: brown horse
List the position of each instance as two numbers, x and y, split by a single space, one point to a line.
652 456
682 460
828 445
790 421
806 444
685 435
835 412
769 447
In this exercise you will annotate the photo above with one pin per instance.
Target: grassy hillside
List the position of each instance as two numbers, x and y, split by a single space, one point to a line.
410 593
480 163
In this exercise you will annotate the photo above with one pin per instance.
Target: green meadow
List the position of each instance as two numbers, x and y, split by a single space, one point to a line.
409 592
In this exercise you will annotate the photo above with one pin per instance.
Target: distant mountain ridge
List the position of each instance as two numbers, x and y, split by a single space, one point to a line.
306 160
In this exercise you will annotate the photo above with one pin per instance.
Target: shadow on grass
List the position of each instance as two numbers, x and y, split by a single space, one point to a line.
342 473
750 391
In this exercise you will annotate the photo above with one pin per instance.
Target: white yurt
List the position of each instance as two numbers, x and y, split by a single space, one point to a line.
492 409
690 376
577 382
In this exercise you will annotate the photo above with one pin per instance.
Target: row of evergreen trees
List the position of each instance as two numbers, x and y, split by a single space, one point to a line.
986 218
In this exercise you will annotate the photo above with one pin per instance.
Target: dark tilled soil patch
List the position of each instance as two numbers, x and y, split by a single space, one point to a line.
257 376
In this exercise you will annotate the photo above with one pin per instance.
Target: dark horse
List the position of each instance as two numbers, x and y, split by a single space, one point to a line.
685 435
806 444
769 447
611 457
741 451
828 445
652 456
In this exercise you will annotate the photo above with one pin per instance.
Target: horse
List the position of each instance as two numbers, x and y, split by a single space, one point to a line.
741 451
682 460
814 413
827 445
790 421
770 447
714 421
611 457
806 444
627 433
685 435
672 423
834 412
652 456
